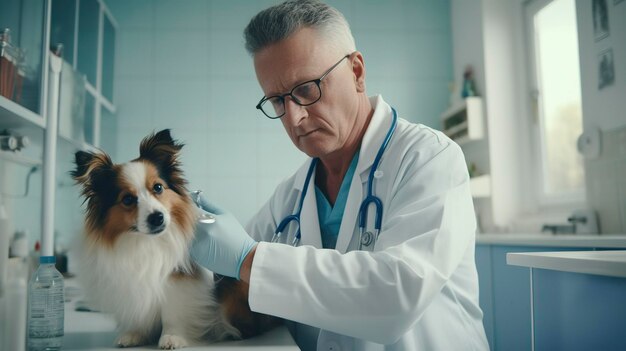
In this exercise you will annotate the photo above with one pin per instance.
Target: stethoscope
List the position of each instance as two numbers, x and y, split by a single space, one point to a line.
366 237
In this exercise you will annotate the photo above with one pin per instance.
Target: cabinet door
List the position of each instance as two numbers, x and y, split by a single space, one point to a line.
108 58
108 131
511 289
512 309
21 62
88 25
578 311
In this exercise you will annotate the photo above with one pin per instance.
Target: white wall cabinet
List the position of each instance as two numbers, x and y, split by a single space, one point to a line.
87 31
463 122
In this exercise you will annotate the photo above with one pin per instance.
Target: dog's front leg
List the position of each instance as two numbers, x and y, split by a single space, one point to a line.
175 316
131 339
172 336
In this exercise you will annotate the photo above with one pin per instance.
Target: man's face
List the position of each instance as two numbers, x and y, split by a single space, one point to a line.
326 126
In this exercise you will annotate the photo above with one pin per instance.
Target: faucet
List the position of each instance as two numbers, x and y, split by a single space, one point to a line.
559 228
565 228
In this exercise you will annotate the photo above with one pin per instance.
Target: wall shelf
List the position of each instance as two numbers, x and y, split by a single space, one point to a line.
14 116
463 122
481 186
16 157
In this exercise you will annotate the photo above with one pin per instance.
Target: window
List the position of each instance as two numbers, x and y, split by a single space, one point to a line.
557 111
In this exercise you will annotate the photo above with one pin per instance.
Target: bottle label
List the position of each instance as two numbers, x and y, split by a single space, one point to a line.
46 312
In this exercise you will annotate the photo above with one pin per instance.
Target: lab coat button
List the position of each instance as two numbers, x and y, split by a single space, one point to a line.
332 346
378 174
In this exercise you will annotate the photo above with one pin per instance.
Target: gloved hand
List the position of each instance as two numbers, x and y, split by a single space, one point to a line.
221 246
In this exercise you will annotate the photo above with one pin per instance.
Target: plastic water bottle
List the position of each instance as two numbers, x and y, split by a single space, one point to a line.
46 308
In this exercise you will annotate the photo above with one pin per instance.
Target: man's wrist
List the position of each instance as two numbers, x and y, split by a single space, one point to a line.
246 265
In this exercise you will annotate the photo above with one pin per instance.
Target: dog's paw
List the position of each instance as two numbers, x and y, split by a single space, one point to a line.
130 339
170 342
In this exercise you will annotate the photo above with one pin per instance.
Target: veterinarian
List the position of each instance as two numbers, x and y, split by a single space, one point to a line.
414 286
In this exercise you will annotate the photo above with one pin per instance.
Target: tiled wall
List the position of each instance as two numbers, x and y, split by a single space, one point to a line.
606 182
604 109
182 65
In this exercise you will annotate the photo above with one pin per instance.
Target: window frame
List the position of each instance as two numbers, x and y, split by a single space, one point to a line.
539 199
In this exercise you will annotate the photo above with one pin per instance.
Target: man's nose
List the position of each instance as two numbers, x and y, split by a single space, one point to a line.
294 113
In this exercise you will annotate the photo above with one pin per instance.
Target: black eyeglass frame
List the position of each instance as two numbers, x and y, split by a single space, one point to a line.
317 82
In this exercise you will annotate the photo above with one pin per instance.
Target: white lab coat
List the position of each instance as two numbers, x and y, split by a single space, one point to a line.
417 290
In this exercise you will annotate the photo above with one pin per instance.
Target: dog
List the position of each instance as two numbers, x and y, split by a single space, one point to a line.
139 224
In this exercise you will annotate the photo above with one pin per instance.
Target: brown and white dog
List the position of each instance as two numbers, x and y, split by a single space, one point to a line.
140 221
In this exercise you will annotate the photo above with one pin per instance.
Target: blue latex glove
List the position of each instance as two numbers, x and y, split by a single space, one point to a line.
221 246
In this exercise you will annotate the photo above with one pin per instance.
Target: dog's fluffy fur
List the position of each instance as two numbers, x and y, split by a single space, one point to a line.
139 224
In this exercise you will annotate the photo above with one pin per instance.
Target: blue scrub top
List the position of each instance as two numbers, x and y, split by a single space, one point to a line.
330 217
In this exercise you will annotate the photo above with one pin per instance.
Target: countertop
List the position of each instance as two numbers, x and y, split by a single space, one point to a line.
96 331
609 263
616 241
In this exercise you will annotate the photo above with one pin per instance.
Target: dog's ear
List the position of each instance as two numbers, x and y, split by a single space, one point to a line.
94 171
88 163
163 151
159 147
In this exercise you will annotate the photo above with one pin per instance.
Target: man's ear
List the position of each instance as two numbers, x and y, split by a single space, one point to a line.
358 69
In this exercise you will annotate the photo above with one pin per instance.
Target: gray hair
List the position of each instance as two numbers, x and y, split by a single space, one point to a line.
280 21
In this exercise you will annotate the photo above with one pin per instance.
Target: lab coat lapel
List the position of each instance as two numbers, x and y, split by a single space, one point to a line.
350 214
372 140
309 220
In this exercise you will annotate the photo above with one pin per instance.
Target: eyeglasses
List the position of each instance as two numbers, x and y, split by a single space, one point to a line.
303 94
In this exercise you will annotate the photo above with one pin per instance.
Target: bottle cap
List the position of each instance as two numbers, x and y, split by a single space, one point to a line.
47 259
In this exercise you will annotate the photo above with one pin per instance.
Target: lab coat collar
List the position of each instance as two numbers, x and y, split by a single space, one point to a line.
374 135
309 221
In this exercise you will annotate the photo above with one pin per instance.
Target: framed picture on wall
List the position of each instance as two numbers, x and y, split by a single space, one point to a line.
606 70
600 19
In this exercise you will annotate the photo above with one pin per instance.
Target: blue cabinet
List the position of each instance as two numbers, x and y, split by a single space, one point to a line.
575 311
505 296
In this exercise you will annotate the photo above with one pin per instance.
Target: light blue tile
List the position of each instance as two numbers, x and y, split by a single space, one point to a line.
182 14
416 101
235 194
128 143
195 155
135 103
227 55
181 104
407 54
277 155
233 105
133 14
134 53
233 154
398 14
235 14
181 53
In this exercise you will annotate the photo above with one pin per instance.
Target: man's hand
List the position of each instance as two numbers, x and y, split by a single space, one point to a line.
222 246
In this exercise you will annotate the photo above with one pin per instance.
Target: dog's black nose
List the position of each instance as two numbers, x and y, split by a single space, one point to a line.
155 219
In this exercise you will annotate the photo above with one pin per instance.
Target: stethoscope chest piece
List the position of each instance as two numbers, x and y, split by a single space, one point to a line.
367 238
206 218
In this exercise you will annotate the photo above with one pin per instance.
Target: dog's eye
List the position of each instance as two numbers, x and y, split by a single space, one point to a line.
129 200
158 188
